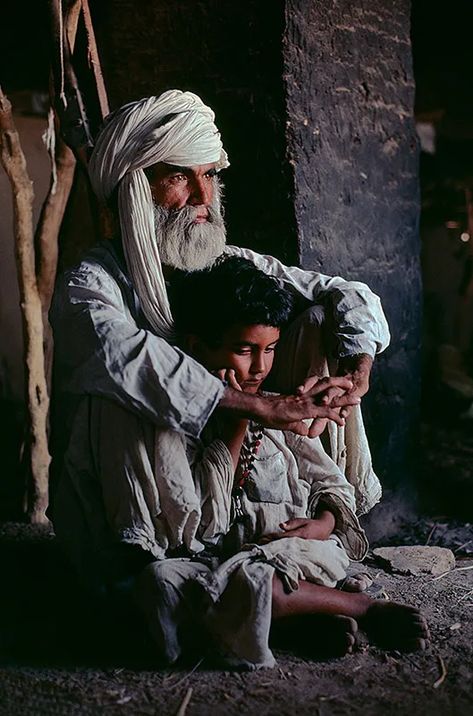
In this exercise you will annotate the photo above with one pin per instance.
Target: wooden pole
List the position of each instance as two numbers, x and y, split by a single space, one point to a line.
14 163
94 60
52 214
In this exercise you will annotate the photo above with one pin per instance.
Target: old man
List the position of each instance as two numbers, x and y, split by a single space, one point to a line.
118 375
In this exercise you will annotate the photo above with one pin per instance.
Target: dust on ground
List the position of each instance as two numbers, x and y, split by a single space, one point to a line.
63 654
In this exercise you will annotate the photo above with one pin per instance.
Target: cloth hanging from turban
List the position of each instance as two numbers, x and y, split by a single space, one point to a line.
175 128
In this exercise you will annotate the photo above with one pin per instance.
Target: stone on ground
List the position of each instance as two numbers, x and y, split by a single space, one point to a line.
416 559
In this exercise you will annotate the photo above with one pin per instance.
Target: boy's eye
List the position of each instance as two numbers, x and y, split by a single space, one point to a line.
270 350
243 352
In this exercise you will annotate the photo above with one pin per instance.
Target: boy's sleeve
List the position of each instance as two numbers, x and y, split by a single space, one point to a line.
212 470
328 486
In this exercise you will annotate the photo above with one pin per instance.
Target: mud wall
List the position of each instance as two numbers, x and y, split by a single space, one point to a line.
352 144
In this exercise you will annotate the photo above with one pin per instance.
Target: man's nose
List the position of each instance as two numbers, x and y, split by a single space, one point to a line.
201 192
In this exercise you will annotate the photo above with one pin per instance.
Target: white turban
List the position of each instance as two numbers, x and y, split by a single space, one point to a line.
176 128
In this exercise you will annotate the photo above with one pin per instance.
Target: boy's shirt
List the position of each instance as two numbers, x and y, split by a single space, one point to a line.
290 475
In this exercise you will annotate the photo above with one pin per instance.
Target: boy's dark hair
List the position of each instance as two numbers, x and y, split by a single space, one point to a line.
233 291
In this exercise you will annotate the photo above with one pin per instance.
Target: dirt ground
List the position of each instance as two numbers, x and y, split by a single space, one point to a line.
61 654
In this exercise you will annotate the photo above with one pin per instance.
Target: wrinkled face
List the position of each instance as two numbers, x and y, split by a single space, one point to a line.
249 350
174 187
190 231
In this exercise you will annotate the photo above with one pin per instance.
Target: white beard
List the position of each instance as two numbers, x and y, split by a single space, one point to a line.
185 245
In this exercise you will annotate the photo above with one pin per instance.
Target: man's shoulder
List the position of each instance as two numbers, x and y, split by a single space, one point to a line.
99 265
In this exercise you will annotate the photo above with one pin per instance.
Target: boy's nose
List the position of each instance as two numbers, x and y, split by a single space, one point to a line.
258 364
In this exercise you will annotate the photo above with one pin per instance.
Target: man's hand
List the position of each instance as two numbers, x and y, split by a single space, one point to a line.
357 369
320 528
287 412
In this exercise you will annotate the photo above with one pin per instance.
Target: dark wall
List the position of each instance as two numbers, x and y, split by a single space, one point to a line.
352 145
230 54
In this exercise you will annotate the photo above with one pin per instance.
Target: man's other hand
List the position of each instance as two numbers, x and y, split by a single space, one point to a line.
357 369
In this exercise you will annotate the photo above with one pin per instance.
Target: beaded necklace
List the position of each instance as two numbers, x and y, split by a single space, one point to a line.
248 453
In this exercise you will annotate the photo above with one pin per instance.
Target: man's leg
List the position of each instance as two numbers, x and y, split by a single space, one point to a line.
167 594
303 352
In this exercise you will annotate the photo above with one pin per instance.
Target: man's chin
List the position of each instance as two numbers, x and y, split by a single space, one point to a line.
198 250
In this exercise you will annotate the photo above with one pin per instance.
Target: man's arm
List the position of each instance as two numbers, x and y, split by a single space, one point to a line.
360 326
100 350
288 412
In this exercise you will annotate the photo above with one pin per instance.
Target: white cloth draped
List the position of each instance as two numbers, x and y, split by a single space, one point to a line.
176 128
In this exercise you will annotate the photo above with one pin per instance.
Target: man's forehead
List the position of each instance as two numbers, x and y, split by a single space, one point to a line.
164 168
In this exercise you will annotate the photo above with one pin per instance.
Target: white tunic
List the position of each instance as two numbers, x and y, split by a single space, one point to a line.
103 345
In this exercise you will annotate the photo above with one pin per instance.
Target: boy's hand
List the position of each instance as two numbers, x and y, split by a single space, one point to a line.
305 528
227 375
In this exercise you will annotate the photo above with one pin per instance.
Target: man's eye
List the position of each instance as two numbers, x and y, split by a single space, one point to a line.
176 178
211 174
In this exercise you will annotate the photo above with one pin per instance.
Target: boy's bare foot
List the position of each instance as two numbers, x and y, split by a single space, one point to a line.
388 624
391 625
316 635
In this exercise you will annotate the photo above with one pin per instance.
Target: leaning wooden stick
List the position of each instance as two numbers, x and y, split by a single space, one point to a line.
63 164
13 160
51 218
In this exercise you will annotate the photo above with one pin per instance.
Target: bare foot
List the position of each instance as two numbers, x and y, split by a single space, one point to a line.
316 635
391 625
357 582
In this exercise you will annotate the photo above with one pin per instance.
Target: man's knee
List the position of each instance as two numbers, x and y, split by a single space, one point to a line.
314 316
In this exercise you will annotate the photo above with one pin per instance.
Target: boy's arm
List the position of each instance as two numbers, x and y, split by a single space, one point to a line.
320 526
232 432
231 426
331 501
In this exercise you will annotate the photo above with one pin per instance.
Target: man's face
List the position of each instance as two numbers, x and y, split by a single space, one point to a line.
174 187
190 231
249 350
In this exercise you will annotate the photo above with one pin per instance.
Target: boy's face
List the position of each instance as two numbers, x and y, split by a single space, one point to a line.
249 350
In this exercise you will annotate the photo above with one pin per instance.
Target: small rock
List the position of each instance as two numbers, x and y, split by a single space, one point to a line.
415 560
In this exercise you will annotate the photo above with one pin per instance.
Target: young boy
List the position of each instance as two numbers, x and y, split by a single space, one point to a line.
276 518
